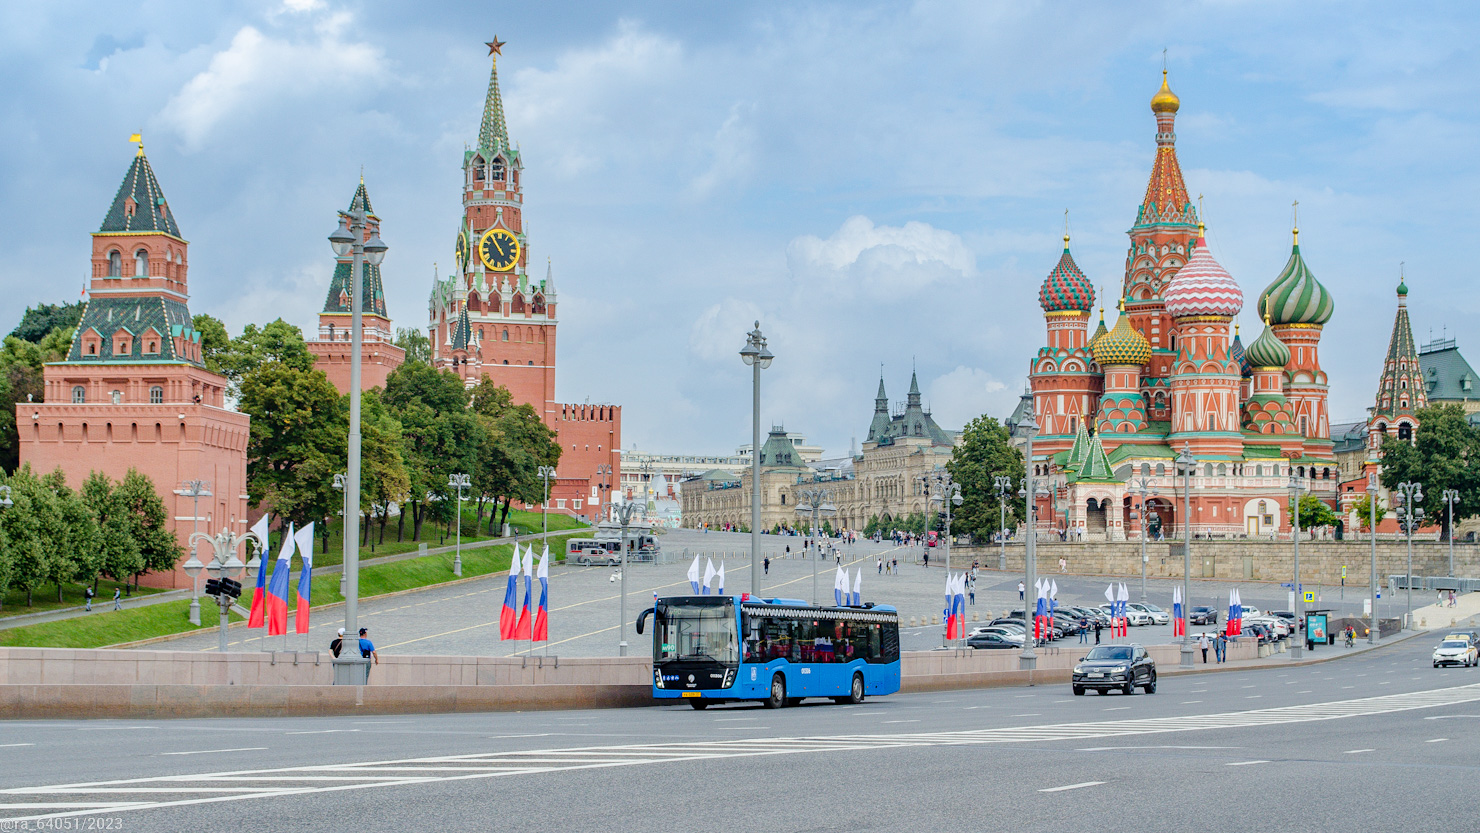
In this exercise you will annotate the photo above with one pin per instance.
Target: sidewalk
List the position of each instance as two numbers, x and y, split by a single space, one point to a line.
1442 616
129 602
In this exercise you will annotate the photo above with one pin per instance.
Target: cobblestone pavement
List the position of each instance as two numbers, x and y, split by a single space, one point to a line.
462 618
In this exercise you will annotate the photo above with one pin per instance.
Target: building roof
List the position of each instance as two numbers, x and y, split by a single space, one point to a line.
1268 351
1122 345
338 299
167 317
1096 467
1447 376
912 422
1348 437
1166 200
1203 287
778 451
140 206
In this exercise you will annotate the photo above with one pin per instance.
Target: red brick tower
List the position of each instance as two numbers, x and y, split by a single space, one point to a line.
331 350
1066 383
133 392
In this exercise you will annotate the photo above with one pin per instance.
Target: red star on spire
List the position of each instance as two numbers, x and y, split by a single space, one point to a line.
495 45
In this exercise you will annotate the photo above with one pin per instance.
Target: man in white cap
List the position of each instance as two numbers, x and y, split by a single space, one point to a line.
337 644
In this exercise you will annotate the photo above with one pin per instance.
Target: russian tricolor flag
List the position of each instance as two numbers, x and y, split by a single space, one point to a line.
522 628
1179 621
257 618
508 615
304 541
277 588
542 616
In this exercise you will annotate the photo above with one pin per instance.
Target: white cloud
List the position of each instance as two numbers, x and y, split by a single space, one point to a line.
965 393
718 333
880 260
258 72
731 151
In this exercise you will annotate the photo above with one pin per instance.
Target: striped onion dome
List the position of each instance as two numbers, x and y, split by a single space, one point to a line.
1202 287
1296 297
1122 345
1236 351
1268 351
1066 288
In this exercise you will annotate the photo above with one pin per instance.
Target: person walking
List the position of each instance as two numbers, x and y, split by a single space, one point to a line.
927 560
1220 647
896 566
117 602
766 565
1063 565
971 590
367 650
337 644
881 565
1202 642
1020 596
87 597
1097 631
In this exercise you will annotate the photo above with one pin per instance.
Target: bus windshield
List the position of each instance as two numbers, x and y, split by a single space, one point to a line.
697 632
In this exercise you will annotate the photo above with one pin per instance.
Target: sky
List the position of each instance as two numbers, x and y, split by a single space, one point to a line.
881 185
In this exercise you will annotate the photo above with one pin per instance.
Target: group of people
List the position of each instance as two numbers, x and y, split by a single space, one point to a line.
889 566
1219 644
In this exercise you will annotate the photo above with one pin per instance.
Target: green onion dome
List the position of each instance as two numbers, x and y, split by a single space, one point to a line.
1122 345
1296 297
1066 288
1267 350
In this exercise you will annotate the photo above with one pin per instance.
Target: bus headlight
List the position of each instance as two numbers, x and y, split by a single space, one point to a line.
657 678
729 678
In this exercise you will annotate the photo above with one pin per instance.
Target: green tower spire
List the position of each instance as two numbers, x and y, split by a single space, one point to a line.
493 133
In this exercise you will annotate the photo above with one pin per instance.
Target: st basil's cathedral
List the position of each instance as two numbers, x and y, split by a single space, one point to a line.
1117 407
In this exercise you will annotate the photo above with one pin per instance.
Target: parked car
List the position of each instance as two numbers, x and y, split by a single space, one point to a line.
1260 632
1093 614
1279 628
1132 615
1202 615
1010 634
1056 627
1288 616
1455 650
992 641
1250 612
1158 616
1115 666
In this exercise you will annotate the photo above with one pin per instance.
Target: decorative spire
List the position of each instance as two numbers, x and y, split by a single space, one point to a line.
1401 390
493 133
1268 352
1122 345
341 284
1295 296
1165 101
1166 200
139 206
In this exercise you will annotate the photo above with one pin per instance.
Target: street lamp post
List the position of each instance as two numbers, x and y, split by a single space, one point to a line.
1028 659
458 482
1003 483
195 489
545 473
815 502
1410 516
224 562
624 517
1143 487
1450 498
1185 466
1296 487
603 471
349 239
1372 587
758 357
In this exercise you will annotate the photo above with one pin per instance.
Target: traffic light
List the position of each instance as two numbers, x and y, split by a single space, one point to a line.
231 587
213 587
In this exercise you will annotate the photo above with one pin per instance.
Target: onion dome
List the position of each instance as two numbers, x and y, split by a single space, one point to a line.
1099 331
1066 288
1165 101
1236 351
1268 351
1203 287
1403 287
1296 297
1122 345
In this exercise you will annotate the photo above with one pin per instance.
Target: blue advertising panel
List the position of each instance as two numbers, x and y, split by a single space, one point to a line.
1315 627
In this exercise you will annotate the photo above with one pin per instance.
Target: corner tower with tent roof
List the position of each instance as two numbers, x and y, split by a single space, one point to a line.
491 316
133 392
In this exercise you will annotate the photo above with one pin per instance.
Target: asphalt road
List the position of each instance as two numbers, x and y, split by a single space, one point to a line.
1376 741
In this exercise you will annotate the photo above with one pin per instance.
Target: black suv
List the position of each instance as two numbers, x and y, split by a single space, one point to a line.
1115 666
1203 615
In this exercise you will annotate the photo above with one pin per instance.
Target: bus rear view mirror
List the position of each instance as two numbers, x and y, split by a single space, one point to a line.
642 620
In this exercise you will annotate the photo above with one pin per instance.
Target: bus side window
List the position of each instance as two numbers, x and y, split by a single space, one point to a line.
889 643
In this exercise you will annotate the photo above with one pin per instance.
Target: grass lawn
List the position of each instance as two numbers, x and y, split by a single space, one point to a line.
44 598
110 627
432 534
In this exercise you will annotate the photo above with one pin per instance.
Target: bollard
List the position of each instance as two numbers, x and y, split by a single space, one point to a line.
975 617
912 621
934 620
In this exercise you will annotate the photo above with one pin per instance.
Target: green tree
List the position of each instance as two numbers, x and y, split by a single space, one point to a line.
297 441
1315 513
43 318
139 501
1363 509
74 539
25 525
382 465
277 343
119 556
416 344
21 381
981 455
872 527
440 436
214 340
1445 454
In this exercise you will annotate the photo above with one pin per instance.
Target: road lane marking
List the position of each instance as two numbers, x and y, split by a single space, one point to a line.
224 786
1188 702
323 732
1116 709
8 745
1119 748
209 751
1246 763
1072 787
1028 714
1436 740
1357 751
902 721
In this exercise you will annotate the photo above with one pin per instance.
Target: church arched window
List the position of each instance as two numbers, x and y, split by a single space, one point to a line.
141 264
115 264
506 337
1405 431
79 394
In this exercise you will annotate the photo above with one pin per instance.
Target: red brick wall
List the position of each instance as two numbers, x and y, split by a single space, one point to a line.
377 360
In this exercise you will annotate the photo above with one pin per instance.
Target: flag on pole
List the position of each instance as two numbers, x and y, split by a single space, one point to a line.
1179 627
522 628
840 586
509 614
1124 598
277 588
1053 597
959 605
719 577
259 596
709 572
694 575
541 631
858 588
304 541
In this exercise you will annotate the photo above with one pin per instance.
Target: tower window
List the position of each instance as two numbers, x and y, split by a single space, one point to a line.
116 396
156 395
115 264
506 337
498 170
141 264
506 361
1405 431
531 364
79 394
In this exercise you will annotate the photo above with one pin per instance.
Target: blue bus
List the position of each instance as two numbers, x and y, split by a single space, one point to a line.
790 650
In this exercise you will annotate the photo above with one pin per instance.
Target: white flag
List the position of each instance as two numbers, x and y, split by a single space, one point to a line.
694 574
709 572
514 563
1110 593
1053 593
529 560
260 530
719 577
858 587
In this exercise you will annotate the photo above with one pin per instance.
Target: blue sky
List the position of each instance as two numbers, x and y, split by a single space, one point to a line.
878 183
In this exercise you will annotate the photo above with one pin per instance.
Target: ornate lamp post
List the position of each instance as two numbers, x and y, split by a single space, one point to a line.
1143 488
1450 498
1296 487
624 517
755 355
1372 588
348 239
1186 465
458 482
545 473
195 490
1028 659
938 496
816 502
224 564
604 472
1410 516
1003 484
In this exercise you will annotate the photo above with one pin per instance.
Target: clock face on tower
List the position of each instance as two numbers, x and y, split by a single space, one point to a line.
499 249
462 250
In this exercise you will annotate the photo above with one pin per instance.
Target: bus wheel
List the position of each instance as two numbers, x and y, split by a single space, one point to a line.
855 695
778 693
699 705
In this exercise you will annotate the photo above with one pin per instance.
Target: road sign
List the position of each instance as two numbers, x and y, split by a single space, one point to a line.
1343 571
1309 597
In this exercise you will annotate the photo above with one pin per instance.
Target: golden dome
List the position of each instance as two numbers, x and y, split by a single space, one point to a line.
1165 101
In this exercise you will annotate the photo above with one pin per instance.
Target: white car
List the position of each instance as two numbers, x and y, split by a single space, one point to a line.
1280 627
1455 652
1250 612
1132 615
1158 616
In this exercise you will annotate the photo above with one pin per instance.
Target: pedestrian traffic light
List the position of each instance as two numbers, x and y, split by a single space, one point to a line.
231 587
213 587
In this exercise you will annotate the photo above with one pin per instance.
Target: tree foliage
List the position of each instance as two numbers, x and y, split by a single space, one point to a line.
1315 513
41 319
21 362
981 455
214 340
416 344
1363 508
297 440
276 343
1445 454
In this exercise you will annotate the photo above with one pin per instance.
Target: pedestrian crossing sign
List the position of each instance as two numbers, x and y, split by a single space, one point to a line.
1310 596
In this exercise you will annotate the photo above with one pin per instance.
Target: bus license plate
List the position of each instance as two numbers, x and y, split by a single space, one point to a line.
692 694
